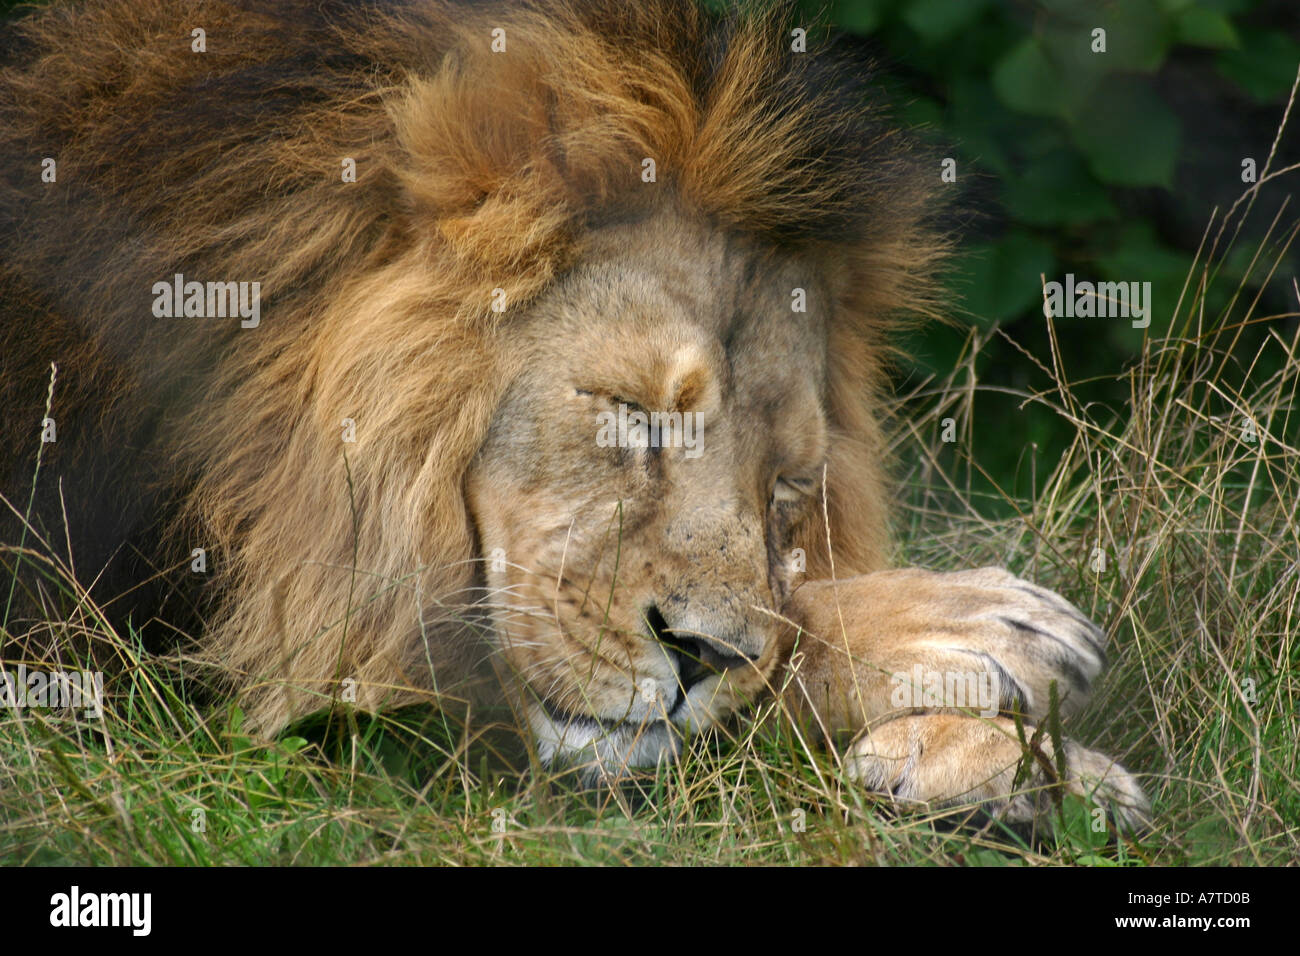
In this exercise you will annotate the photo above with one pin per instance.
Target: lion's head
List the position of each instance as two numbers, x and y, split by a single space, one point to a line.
429 465
639 491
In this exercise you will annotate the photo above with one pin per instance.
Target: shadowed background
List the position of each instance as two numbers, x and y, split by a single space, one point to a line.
1107 165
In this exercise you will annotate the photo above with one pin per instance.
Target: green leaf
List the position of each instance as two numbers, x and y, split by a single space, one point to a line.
1227 6
1076 10
1265 66
1197 26
1209 841
1138 35
937 20
1128 134
1027 81
1000 280
1057 190
1069 49
1138 255
983 127
860 16
1052 74
986 857
1078 827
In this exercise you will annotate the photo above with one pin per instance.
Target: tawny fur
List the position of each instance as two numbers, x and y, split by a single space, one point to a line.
476 171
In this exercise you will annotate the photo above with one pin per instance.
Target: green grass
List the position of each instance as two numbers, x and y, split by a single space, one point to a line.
132 796
1200 594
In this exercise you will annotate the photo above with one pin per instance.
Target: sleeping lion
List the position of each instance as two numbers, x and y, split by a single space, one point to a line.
523 354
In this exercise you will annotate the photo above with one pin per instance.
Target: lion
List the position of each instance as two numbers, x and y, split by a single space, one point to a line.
500 354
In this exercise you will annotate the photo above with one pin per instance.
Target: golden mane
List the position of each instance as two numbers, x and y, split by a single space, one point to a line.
476 170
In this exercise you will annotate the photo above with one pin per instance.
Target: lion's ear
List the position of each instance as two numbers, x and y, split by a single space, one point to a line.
505 154
478 178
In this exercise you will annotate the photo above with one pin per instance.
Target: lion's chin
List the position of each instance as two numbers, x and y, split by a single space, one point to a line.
600 751
604 751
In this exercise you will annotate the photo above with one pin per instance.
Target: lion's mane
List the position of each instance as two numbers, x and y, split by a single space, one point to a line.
476 170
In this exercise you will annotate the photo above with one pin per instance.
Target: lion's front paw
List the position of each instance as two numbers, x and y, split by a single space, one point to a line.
943 760
919 631
1033 635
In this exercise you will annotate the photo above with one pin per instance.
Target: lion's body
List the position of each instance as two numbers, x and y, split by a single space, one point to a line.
351 460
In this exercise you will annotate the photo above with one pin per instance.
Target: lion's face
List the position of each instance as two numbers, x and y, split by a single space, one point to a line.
634 572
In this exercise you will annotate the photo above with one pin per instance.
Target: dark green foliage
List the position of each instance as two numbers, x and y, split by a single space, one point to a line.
1107 165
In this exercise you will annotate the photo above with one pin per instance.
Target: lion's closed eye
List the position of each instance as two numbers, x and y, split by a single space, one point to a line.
789 490
603 396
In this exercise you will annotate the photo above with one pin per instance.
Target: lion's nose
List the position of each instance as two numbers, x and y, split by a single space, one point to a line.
696 660
696 655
